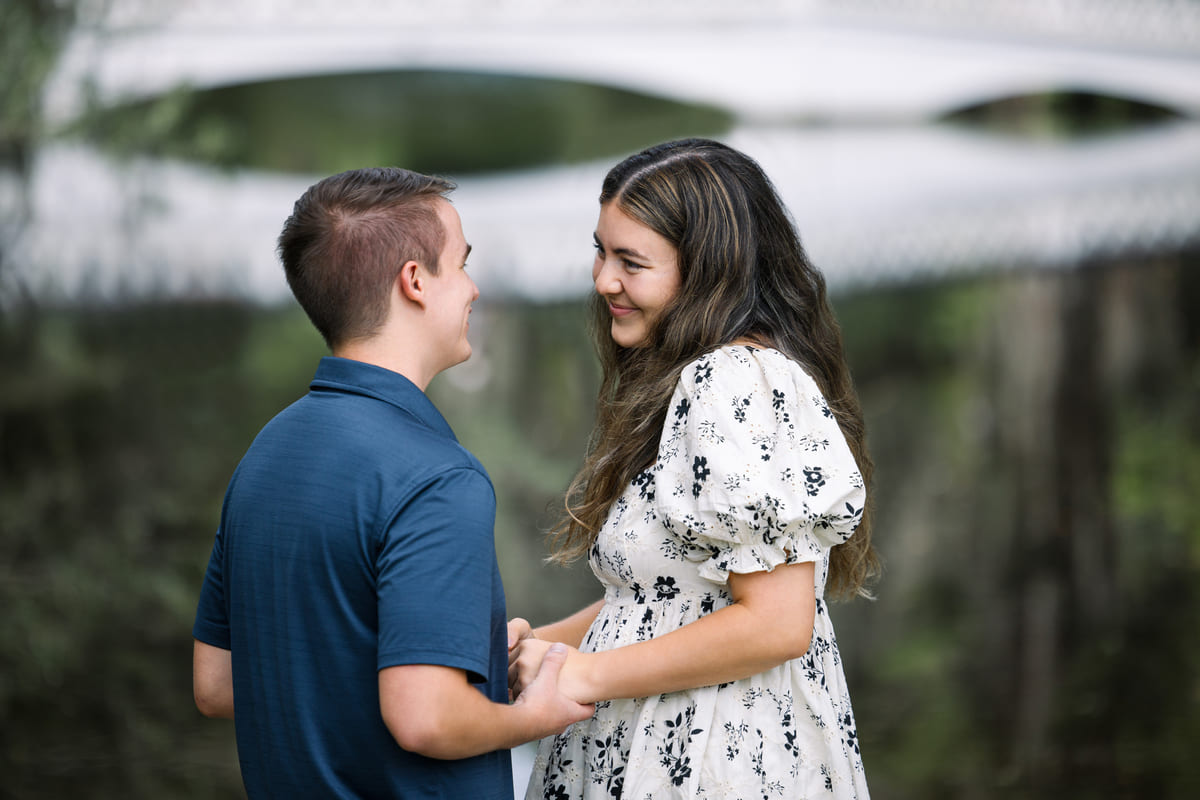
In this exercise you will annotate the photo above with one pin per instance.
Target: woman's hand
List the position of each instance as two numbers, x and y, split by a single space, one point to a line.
518 629
525 659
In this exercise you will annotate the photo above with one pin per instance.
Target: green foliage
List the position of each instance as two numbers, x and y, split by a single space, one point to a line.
31 33
946 665
1155 480
117 440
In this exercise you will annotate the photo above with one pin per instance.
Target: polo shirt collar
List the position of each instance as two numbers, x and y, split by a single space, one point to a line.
357 377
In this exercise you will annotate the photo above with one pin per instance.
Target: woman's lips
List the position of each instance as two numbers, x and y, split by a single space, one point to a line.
620 311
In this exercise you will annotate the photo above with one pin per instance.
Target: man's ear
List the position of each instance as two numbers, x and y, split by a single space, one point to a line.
410 282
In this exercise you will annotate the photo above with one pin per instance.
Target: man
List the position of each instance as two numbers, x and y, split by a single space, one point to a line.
352 606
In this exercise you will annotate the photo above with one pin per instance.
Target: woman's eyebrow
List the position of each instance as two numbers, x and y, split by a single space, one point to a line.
622 251
625 251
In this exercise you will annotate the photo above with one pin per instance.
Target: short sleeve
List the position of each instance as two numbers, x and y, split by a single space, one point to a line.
436 570
753 469
211 625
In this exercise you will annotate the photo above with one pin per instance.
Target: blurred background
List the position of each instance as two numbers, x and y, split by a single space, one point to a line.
1003 194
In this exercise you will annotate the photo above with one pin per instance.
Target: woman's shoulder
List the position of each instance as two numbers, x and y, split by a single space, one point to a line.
742 365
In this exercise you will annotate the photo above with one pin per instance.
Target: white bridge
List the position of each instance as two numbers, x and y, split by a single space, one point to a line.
761 59
835 97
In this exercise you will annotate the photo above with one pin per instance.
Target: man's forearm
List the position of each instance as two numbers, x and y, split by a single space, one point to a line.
434 711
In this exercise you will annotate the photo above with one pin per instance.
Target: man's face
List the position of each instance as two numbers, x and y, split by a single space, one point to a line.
451 292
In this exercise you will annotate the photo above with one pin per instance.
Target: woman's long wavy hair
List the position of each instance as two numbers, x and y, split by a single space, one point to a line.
744 277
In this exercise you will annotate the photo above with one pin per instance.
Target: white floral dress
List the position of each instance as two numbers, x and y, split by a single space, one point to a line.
752 472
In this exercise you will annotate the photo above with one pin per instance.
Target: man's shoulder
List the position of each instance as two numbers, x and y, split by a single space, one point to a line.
410 439
365 429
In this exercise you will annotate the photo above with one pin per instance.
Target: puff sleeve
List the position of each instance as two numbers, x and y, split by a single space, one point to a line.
753 470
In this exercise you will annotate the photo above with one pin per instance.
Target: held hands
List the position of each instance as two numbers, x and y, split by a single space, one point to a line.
541 686
529 657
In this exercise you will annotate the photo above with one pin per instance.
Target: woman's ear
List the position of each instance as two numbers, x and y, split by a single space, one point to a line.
410 282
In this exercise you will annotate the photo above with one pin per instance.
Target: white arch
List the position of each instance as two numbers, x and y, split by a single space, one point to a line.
762 68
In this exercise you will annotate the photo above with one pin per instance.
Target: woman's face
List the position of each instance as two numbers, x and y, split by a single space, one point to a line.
636 271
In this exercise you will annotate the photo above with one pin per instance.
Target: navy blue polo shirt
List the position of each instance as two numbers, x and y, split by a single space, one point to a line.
356 535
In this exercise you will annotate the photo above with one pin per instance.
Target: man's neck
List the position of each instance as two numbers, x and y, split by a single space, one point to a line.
372 351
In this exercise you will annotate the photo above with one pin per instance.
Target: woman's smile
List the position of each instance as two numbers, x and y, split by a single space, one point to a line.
636 271
619 310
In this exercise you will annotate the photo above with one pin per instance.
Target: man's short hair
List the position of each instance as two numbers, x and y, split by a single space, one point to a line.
347 238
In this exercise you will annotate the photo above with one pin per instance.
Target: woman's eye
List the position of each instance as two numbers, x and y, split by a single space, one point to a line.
632 267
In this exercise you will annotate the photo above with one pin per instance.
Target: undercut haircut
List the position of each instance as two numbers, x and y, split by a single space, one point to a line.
347 238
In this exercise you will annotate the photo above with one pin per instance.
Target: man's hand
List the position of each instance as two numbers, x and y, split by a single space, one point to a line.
527 660
543 689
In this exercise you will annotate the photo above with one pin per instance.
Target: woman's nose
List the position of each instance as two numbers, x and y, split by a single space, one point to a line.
605 278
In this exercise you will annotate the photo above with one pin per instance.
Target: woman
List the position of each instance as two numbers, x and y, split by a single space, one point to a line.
724 491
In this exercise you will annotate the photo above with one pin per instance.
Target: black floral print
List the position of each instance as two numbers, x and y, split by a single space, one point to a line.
752 472
673 751
606 767
814 479
700 472
644 481
739 408
666 588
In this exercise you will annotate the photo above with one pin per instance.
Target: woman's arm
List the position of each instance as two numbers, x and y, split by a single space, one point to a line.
769 622
569 631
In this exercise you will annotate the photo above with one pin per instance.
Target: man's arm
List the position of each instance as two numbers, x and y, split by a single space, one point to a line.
212 680
434 711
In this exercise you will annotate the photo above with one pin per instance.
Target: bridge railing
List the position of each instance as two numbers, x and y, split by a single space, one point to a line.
1139 24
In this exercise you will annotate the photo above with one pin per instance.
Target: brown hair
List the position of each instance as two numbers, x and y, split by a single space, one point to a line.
347 238
744 276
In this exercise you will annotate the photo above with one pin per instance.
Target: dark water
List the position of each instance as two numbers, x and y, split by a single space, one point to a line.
1037 447
433 122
